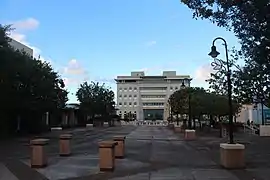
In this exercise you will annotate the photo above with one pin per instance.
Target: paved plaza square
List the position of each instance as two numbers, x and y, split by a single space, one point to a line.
152 153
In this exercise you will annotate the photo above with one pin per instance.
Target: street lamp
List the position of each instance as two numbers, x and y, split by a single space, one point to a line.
189 107
217 66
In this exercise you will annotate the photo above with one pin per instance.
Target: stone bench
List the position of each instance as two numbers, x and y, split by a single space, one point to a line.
39 156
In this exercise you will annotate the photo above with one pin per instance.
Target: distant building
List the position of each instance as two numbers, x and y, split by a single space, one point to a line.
21 47
253 113
146 97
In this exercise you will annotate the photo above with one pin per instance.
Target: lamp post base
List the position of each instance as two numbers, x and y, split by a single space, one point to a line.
232 156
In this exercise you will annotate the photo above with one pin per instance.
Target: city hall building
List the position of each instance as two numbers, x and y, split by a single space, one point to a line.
146 97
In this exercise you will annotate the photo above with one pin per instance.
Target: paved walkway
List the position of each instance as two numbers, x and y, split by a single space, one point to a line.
152 153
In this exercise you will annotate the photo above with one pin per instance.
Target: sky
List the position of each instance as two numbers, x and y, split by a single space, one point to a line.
97 40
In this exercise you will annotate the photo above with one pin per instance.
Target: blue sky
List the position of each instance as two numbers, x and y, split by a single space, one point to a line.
100 39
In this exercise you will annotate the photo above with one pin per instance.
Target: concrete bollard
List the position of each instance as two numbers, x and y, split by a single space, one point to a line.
190 134
106 155
65 145
39 156
120 147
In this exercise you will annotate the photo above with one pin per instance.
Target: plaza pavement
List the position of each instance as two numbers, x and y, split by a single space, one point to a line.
152 153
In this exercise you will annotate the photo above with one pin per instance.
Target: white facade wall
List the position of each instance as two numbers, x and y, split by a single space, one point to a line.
252 113
21 47
147 92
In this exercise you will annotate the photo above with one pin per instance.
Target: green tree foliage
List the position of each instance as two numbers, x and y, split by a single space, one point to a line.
28 88
250 22
96 100
201 103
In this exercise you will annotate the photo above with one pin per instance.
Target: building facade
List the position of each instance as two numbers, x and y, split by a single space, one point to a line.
146 97
21 47
253 112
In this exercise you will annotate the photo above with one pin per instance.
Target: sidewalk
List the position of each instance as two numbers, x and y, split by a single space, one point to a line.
257 152
152 153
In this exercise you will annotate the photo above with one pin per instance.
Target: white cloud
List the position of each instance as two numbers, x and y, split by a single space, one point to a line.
203 72
150 43
26 24
74 68
73 73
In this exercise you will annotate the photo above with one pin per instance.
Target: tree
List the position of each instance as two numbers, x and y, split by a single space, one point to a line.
96 100
201 103
250 22
28 88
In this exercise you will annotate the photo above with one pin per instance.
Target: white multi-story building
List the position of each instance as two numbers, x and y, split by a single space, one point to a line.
21 47
147 96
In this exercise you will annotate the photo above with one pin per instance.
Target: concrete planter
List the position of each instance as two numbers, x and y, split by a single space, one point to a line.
190 134
39 156
106 155
265 130
65 145
120 146
232 156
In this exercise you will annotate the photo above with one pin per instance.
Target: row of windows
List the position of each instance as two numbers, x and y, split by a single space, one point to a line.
125 112
130 88
153 104
153 88
125 103
149 88
120 95
153 96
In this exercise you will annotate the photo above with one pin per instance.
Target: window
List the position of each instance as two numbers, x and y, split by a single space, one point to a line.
125 103
153 96
125 95
171 88
135 112
120 95
135 88
125 89
120 89
130 88
130 103
130 96
153 104
153 88
135 103
120 103
135 95
176 88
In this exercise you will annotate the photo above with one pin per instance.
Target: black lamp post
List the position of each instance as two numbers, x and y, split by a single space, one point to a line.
189 107
217 66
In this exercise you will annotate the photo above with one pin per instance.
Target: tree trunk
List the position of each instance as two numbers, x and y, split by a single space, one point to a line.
199 120
194 123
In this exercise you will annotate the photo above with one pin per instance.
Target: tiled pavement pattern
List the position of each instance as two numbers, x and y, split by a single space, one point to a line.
152 153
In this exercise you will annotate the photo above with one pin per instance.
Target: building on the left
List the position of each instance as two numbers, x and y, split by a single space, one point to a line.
21 47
